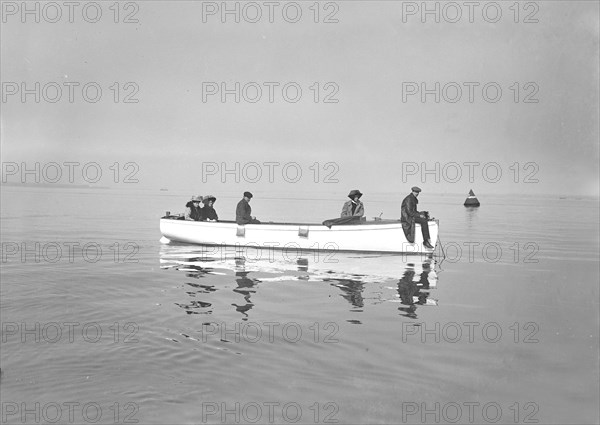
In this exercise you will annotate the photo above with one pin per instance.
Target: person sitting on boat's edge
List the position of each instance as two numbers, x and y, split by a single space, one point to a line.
410 216
243 211
208 212
193 211
353 207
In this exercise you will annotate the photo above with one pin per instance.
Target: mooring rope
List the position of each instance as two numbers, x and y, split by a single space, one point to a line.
441 246
443 252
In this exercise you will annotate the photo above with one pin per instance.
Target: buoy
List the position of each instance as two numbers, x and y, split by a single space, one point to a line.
472 200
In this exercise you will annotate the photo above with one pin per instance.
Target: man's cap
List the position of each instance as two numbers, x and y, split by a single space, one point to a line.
247 195
415 189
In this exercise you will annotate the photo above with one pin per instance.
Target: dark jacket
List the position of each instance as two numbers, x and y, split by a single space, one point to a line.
409 209
407 216
209 213
192 212
243 212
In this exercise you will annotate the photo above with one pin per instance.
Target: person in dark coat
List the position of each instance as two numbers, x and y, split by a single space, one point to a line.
410 216
243 211
193 211
208 212
353 207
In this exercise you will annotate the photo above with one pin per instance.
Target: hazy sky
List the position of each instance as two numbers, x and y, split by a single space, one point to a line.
374 62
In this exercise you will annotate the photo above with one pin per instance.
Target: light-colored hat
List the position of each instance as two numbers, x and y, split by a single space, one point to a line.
197 198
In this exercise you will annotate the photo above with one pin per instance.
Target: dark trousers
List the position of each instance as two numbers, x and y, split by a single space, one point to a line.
424 227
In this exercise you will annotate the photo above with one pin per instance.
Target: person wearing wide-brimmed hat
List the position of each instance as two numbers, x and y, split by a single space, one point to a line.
193 210
410 216
243 211
353 207
208 212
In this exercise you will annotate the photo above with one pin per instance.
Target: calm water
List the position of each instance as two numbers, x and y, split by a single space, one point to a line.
103 323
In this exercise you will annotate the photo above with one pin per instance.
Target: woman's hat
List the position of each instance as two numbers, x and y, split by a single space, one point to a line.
354 193
209 197
197 198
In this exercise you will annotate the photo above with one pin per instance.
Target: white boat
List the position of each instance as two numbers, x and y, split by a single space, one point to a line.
366 236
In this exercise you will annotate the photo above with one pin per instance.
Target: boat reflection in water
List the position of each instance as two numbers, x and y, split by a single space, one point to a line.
414 286
246 287
363 278
418 278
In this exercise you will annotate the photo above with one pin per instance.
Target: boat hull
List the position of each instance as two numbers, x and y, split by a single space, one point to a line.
377 236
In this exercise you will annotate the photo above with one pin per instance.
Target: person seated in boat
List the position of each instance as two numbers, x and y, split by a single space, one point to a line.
353 207
193 211
208 212
410 216
243 211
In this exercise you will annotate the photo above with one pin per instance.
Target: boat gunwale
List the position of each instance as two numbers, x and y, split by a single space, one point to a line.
337 226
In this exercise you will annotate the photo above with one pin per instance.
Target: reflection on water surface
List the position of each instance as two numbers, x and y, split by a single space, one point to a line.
363 279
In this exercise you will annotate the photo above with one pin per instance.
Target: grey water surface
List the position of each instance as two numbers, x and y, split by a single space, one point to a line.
101 323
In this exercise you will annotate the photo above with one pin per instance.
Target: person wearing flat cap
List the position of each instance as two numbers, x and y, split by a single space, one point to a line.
410 216
193 211
208 212
353 207
243 211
